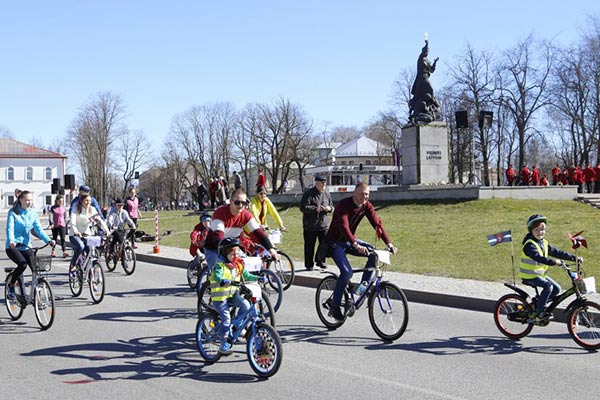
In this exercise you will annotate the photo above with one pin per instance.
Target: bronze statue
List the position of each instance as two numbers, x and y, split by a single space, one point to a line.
424 107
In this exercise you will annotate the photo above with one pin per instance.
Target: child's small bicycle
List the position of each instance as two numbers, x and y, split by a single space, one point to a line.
514 313
263 344
40 294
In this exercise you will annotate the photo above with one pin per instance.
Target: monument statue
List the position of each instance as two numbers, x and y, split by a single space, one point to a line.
424 107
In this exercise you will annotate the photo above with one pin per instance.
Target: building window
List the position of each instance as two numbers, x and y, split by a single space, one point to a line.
11 199
48 173
368 162
344 162
49 200
29 174
351 162
10 174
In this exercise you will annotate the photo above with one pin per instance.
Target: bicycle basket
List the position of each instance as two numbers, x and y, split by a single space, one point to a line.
93 241
252 264
586 285
43 263
275 236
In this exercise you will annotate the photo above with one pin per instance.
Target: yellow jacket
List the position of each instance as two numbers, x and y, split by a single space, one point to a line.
256 206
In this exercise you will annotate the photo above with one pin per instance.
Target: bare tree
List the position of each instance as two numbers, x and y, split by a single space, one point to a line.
6 133
133 153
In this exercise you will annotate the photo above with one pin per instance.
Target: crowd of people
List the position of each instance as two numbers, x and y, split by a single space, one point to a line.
588 177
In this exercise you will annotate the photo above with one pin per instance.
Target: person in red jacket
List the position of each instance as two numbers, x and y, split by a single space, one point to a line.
579 180
571 175
564 178
535 176
262 180
544 181
590 177
525 175
597 183
511 175
555 175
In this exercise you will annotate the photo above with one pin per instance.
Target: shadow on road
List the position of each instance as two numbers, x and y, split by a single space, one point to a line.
153 315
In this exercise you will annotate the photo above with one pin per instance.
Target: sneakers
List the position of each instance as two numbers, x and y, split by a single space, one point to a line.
543 317
321 265
10 291
53 254
66 254
133 245
336 313
225 348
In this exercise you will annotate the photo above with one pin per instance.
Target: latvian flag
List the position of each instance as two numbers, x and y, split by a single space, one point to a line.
500 237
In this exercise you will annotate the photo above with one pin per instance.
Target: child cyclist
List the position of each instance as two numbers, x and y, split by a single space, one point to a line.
229 268
197 239
535 259
116 220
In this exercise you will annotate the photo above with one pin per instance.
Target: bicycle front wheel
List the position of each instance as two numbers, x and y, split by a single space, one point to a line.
204 301
273 288
388 311
75 280
206 337
13 306
266 309
264 350
510 315
323 297
128 261
192 274
584 325
96 280
284 268
43 304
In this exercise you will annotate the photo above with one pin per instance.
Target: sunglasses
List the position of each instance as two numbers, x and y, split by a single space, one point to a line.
240 202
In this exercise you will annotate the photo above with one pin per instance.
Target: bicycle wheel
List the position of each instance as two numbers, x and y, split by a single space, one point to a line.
43 304
388 311
264 350
206 337
13 306
284 268
273 288
110 259
96 281
204 302
323 301
584 325
76 280
128 260
265 308
510 315
192 274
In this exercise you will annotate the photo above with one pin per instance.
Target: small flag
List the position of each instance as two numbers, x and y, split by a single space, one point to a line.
500 237
577 240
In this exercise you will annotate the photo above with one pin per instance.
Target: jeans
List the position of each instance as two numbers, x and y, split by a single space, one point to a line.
222 308
340 249
549 289
78 246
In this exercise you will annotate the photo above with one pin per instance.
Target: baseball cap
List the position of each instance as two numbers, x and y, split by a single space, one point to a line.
84 188
320 178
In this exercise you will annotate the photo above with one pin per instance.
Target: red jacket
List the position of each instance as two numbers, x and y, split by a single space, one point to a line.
525 174
535 176
590 174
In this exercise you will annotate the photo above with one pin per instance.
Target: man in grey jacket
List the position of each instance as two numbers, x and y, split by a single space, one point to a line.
315 205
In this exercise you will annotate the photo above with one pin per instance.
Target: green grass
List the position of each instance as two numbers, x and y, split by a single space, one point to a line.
442 238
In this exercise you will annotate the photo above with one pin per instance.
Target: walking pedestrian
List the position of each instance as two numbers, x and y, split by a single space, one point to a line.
315 206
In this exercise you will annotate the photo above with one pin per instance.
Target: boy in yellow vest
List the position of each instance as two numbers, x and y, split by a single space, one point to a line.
229 268
535 259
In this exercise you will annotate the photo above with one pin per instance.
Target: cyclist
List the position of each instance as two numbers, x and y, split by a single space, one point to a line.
229 221
117 219
229 268
132 206
198 235
535 261
341 240
83 217
261 205
21 219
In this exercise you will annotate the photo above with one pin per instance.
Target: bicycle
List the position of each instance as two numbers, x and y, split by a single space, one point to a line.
263 343
87 267
284 267
386 302
196 270
40 294
514 313
122 251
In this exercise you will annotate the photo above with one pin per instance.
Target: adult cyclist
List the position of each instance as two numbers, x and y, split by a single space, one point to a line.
341 240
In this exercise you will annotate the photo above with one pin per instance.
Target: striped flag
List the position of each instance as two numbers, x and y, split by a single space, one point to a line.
500 237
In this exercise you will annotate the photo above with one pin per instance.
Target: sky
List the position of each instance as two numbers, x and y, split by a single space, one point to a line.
337 59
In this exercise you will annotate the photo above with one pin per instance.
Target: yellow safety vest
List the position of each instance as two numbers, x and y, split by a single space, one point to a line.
222 293
530 269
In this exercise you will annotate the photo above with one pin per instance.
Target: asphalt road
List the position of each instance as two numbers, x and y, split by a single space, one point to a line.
139 343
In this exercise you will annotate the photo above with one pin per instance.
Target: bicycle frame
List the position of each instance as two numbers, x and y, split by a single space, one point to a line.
27 298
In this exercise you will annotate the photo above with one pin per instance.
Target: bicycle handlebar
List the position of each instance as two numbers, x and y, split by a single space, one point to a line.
34 248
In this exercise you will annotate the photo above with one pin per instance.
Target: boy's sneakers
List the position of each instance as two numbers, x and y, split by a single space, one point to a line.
225 348
543 317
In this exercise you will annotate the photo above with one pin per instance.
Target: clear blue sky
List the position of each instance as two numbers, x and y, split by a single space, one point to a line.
338 59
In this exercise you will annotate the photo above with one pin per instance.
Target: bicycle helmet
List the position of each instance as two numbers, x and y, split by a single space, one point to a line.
226 244
535 218
205 217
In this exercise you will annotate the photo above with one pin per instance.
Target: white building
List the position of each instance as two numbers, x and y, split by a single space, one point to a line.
31 168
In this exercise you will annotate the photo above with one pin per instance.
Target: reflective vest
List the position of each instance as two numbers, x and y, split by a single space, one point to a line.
530 269
222 293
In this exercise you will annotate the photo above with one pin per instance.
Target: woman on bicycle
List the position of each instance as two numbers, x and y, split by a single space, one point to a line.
229 268
117 219
83 217
341 240
21 219
58 223
261 205
535 261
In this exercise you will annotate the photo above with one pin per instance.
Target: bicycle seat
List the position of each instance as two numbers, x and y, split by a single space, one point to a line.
524 282
9 269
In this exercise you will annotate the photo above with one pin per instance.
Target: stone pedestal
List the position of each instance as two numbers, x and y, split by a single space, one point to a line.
425 154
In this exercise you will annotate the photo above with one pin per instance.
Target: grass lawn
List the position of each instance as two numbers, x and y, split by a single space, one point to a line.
441 238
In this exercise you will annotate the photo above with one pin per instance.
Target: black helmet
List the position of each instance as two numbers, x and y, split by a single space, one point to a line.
205 216
533 219
226 244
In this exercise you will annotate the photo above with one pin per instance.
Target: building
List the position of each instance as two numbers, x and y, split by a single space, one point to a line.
31 168
360 160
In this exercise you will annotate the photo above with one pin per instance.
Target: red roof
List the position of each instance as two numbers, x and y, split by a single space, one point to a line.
11 148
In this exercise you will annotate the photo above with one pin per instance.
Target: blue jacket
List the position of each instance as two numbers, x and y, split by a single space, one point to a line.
19 225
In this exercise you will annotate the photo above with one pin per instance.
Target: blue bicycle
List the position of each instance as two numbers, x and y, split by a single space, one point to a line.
263 344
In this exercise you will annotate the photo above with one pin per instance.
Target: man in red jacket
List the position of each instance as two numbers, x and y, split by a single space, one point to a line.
579 179
555 175
511 175
525 175
590 177
597 183
535 176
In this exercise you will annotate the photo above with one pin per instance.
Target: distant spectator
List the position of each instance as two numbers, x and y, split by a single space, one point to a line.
590 177
544 181
535 176
212 192
525 176
511 175
262 180
564 177
579 179
571 174
556 175
237 180
597 183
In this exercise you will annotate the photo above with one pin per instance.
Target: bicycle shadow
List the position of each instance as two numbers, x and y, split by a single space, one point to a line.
140 359
320 335
152 315
178 291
